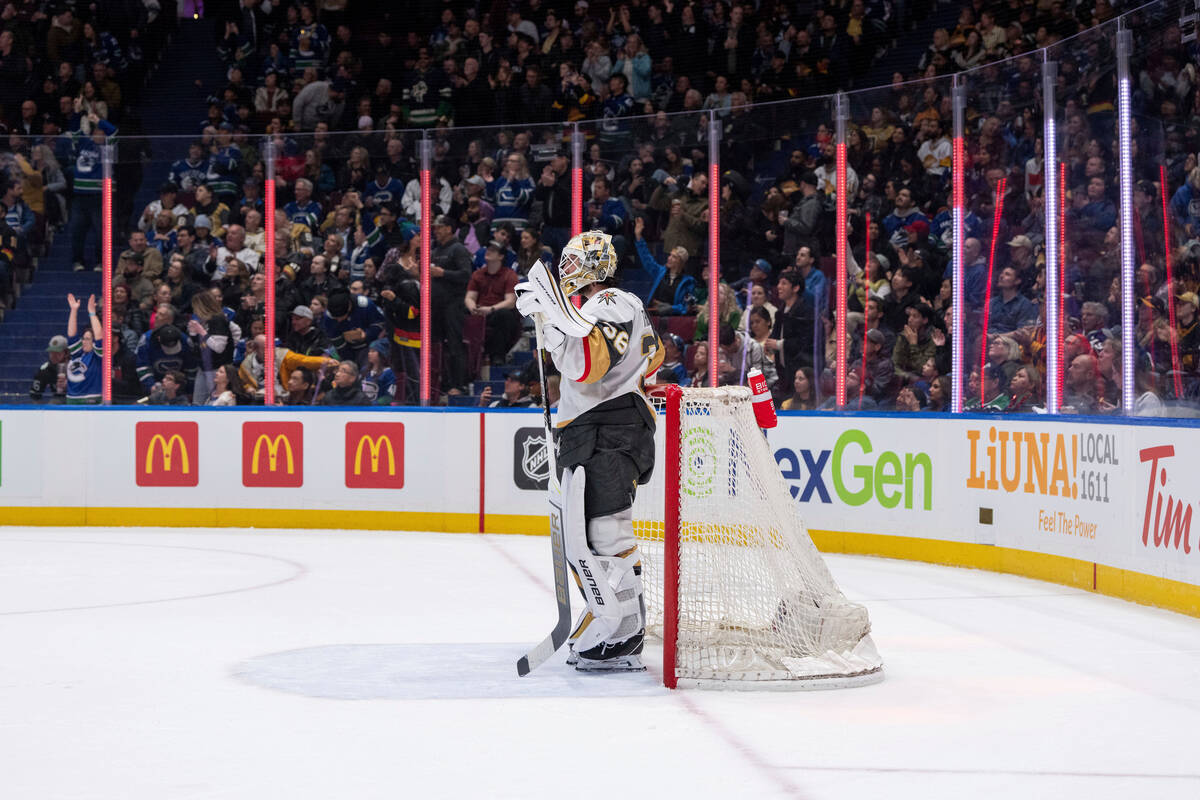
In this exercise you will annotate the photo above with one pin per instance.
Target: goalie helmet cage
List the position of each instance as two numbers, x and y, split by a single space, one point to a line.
734 586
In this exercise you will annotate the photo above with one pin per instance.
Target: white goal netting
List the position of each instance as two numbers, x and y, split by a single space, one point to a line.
757 605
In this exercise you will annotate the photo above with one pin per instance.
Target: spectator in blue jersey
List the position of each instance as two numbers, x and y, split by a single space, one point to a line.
303 209
378 382
607 213
671 291
85 370
352 323
17 216
190 172
89 172
615 136
383 189
513 193
162 350
1099 213
224 165
904 214
1185 203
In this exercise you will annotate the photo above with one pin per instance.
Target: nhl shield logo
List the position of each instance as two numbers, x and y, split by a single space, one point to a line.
531 463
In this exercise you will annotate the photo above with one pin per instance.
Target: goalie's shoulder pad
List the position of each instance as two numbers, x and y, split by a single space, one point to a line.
613 305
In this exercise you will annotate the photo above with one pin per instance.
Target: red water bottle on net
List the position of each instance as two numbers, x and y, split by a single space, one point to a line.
764 406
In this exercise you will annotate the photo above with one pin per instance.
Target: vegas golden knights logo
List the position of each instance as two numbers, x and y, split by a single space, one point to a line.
375 455
167 454
273 454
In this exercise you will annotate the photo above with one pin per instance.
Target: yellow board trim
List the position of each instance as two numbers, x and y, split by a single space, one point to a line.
1111 581
243 518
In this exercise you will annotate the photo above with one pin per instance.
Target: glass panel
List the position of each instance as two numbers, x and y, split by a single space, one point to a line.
1004 238
1090 239
1168 267
899 144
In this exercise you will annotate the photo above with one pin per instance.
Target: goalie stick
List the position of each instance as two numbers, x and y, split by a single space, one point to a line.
562 628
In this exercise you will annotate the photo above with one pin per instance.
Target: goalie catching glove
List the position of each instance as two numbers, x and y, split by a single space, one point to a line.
541 294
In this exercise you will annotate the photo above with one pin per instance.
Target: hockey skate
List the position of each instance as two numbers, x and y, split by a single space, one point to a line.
625 656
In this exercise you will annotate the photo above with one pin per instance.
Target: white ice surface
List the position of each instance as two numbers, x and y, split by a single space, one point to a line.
214 664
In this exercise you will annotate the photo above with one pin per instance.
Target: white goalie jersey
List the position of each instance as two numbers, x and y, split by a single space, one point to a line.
615 358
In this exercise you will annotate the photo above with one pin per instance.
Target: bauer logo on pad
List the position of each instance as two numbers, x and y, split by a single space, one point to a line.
375 455
273 454
167 454
531 466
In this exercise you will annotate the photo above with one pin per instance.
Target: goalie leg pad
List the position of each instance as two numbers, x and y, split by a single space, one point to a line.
615 618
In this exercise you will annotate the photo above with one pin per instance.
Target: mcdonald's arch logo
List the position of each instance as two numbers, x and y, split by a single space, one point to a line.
374 455
167 454
273 454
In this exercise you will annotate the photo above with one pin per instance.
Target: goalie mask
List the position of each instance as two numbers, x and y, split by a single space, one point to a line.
587 258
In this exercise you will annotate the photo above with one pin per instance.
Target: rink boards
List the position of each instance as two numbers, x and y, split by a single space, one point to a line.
1106 506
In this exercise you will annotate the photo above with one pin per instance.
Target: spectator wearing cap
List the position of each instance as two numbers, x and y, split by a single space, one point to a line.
410 201
801 225
671 291
516 392
168 200
47 375
129 274
672 369
345 390
606 213
163 349
205 241
152 260
1021 256
1010 309
352 322
305 338
911 398
1186 307
450 270
491 294
880 375
320 101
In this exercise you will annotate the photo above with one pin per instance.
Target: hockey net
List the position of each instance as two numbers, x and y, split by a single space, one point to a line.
735 588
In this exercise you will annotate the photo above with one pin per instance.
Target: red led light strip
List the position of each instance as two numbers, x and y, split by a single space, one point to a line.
269 357
1162 177
987 297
